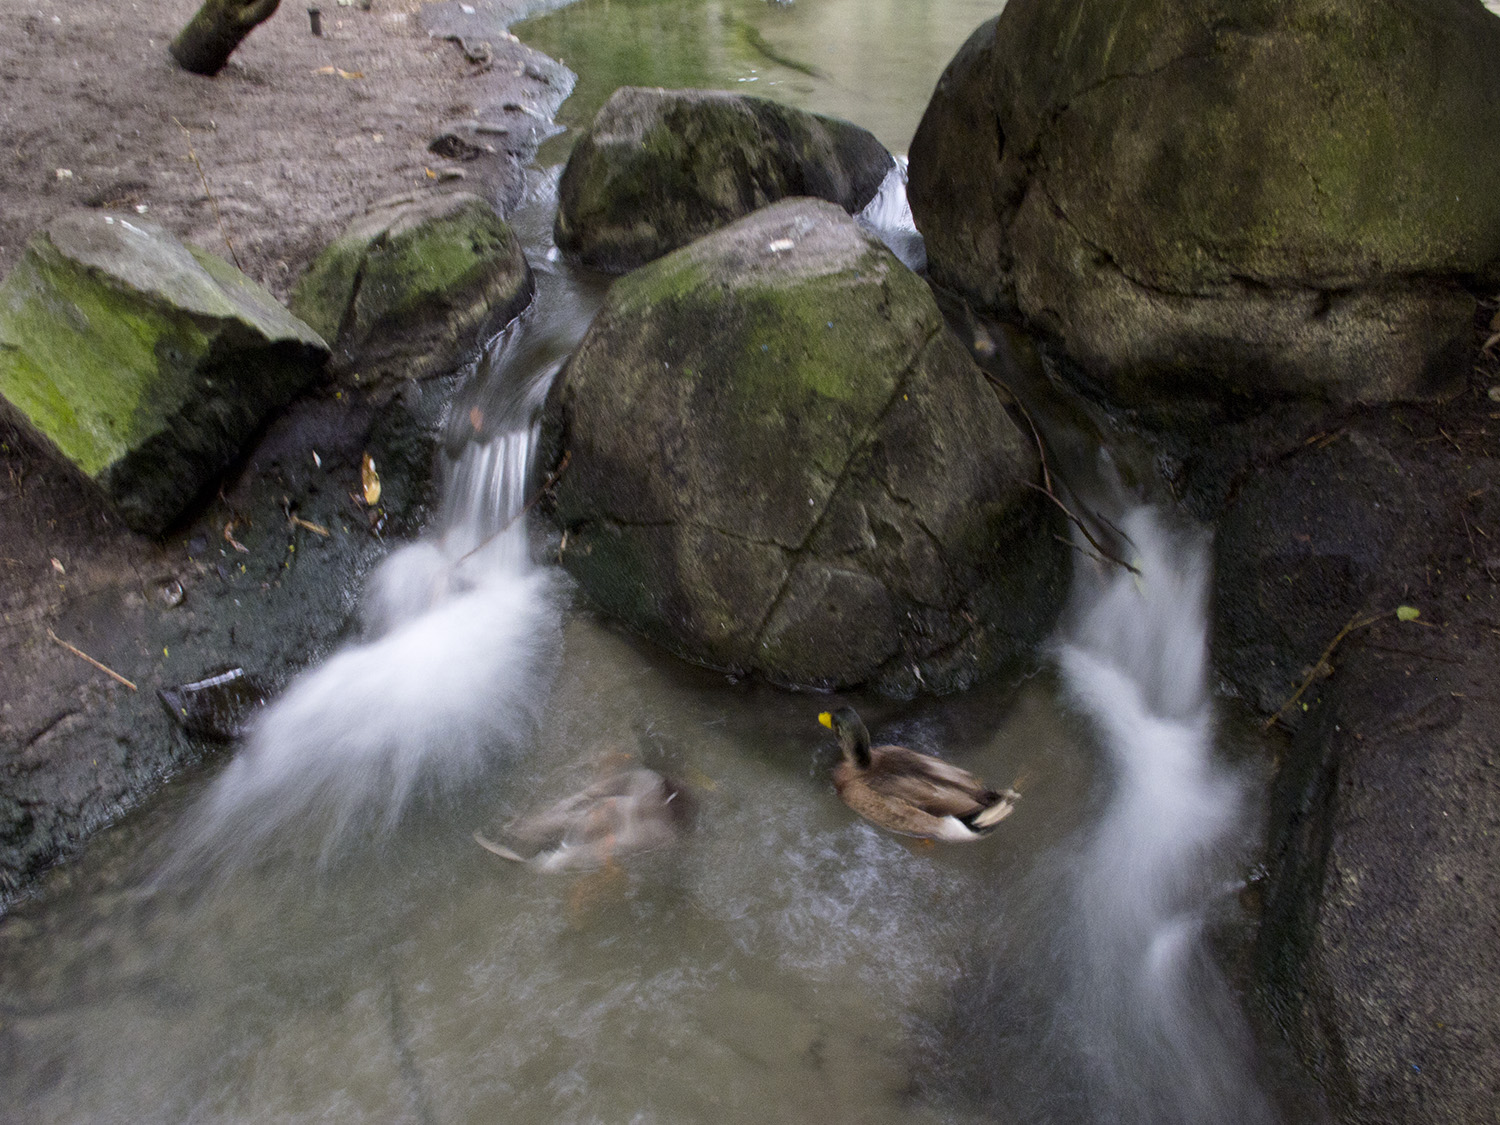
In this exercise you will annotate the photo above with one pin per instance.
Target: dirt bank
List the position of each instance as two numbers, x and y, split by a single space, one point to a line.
264 165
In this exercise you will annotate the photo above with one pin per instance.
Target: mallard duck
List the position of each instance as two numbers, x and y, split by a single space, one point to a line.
625 811
911 793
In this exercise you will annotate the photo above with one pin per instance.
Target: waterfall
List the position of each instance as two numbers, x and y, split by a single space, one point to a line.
1160 1035
459 633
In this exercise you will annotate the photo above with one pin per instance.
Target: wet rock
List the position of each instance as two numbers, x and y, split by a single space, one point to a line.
217 707
781 462
1206 200
465 140
415 285
659 168
1300 548
1378 955
145 363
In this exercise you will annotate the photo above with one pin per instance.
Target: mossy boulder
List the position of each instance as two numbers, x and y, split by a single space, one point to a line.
659 168
145 363
780 462
415 285
1211 199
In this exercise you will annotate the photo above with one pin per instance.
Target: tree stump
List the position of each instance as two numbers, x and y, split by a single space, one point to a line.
211 36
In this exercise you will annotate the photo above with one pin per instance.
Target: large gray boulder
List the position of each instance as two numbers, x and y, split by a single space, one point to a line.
1379 951
658 168
1210 199
145 363
780 462
415 285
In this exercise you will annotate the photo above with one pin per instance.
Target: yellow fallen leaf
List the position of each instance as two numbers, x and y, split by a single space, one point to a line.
341 73
370 479
1407 613
431 175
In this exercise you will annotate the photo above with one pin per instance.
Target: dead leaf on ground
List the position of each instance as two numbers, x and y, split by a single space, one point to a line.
369 479
340 72
232 541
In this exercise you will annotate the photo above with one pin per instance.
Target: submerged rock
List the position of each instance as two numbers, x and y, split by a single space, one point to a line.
781 462
145 363
1204 199
659 168
414 285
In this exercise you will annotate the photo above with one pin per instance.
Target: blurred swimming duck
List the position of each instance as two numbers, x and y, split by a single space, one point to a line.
623 812
911 793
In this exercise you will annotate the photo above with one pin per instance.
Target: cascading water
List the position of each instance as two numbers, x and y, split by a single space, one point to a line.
460 630
1159 1033
785 964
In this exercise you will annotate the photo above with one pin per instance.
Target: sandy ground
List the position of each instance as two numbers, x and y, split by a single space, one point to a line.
292 139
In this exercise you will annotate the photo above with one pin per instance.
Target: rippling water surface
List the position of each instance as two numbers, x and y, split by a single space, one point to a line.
308 930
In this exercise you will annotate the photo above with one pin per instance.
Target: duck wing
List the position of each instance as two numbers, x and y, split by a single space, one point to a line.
936 787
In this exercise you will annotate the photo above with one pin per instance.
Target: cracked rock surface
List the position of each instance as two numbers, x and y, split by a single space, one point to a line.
1210 200
781 463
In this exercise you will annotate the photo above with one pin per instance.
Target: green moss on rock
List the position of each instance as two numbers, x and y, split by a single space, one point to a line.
146 364
659 168
780 463
1194 196
412 286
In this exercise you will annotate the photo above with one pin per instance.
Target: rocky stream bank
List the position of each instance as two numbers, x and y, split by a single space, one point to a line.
1347 461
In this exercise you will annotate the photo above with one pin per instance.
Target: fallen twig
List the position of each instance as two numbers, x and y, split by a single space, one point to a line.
1045 488
317 528
552 478
232 541
78 652
1353 624
212 200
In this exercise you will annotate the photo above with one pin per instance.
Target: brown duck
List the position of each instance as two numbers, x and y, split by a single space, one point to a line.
622 812
911 793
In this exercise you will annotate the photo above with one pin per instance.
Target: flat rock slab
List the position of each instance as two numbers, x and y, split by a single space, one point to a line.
659 168
145 363
414 285
781 462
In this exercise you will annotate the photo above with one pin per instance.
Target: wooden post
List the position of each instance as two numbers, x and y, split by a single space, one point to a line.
210 37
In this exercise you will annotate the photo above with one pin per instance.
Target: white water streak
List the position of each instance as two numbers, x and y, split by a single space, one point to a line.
460 642
888 216
1158 1027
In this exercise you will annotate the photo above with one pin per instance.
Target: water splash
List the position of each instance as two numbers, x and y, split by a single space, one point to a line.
888 216
460 631
453 671
1157 1027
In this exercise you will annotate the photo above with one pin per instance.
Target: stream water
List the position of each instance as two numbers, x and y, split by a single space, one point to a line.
310 932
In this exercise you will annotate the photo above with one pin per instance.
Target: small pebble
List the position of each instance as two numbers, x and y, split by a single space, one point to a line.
1495 393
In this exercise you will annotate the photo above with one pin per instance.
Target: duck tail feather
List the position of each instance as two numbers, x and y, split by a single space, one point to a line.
499 849
992 814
